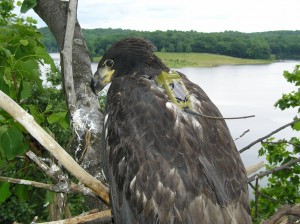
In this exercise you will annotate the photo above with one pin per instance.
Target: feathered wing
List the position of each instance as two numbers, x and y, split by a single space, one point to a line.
167 166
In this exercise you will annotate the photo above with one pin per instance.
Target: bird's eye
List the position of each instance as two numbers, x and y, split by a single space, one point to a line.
109 63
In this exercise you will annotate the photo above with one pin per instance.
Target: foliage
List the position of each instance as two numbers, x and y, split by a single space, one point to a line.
284 185
291 99
266 45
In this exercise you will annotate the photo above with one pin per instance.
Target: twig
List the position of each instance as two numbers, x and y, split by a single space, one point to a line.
67 57
245 132
264 195
74 188
27 182
104 215
216 118
268 135
27 121
43 166
273 170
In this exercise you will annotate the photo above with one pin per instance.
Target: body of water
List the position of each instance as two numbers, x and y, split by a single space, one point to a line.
240 90
248 90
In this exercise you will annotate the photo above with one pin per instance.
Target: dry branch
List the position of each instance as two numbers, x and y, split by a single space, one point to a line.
73 188
268 135
101 217
252 169
27 182
43 166
27 121
284 210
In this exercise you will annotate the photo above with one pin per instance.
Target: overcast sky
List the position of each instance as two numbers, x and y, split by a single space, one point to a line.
199 15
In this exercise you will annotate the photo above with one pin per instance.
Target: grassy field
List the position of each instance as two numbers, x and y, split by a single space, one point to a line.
179 60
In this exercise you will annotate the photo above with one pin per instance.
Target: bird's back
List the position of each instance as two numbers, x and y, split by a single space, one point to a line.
167 166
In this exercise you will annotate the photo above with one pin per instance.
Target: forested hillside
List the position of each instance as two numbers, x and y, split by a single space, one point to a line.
265 45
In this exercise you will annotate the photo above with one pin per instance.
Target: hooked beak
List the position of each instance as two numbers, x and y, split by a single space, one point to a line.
101 78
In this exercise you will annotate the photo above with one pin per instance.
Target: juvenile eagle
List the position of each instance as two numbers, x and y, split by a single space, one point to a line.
163 163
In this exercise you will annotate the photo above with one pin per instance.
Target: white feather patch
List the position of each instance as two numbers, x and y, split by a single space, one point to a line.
132 183
105 119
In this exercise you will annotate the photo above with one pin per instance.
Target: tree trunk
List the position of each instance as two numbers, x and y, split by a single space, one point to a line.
87 118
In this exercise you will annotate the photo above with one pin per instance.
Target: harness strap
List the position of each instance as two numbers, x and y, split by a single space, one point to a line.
172 82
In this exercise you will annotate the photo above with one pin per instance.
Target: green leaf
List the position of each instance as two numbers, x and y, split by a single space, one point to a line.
60 117
24 42
49 107
4 87
25 90
6 52
42 52
22 192
30 71
56 117
2 163
38 117
296 126
28 4
11 141
4 191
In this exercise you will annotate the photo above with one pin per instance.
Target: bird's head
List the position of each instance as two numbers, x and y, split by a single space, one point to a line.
130 56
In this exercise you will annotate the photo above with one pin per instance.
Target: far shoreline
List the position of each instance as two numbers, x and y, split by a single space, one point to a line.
180 60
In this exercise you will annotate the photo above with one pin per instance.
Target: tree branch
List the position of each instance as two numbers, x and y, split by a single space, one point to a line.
27 182
264 195
273 170
43 166
242 135
284 210
254 168
72 187
27 121
101 217
268 135
88 117
67 57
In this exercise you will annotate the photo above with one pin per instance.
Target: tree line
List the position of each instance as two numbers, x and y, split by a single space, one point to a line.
264 45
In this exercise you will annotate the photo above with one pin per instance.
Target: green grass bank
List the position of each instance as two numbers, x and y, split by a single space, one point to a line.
179 60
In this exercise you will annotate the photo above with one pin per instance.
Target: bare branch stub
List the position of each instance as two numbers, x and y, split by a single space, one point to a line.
276 169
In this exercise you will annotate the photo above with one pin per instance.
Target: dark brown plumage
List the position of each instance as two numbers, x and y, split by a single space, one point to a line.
164 165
